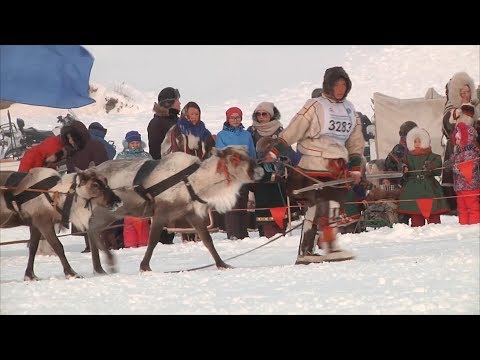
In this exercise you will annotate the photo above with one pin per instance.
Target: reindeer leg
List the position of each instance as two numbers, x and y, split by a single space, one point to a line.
49 234
199 224
98 221
156 229
32 250
111 262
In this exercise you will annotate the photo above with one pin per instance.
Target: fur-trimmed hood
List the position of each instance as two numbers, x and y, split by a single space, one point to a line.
276 114
422 134
78 131
332 75
162 111
125 144
454 86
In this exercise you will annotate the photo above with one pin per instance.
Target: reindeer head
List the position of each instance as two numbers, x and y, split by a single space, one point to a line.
235 162
95 188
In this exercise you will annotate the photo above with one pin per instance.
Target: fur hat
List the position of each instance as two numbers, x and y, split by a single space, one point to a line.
265 106
133 136
97 126
167 96
465 133
79 133
406 127
454 86
234 110
317 93
331 76
421 133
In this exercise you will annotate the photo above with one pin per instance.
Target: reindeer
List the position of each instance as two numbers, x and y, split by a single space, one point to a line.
42 198
177 186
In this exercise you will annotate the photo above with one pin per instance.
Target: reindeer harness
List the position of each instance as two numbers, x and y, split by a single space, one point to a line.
154 190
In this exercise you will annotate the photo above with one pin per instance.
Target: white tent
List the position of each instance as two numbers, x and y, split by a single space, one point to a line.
391 112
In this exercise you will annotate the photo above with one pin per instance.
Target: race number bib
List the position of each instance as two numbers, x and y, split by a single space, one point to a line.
339 120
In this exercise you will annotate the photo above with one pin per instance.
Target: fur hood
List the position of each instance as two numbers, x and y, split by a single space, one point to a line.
454 86
422 134
162 111
276 114
78 131
332 75
125 144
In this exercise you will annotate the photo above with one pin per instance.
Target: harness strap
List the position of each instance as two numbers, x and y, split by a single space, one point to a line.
27 195
192 193
12 181
166 184
67 206
142 173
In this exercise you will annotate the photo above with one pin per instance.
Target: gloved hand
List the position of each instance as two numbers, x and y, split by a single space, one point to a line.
269 157
428 165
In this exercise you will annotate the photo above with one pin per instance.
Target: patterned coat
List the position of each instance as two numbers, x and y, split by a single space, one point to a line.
137 153
465 151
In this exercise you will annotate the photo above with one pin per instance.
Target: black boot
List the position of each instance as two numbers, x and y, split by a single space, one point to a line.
166 238
306 253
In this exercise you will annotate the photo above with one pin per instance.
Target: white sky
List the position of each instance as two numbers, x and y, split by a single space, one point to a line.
429 270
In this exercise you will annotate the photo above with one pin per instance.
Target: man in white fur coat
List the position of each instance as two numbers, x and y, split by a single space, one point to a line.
329 136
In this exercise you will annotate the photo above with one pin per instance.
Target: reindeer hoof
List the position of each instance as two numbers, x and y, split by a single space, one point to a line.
224 266
99 272
73 276
32 277
145 267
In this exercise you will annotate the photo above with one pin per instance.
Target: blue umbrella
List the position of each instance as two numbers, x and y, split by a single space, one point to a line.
45 75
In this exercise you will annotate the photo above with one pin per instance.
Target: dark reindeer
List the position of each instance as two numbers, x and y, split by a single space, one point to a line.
177 186
42 198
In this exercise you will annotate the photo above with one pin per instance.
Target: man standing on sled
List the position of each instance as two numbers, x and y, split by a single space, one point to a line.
329 136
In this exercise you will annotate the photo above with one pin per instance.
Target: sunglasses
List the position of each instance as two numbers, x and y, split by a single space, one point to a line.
261 114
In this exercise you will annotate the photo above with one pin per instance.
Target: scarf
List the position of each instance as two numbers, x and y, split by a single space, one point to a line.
199 130
420 152
266 129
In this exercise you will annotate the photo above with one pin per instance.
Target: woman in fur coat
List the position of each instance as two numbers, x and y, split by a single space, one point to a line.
271 190
421 168
462 106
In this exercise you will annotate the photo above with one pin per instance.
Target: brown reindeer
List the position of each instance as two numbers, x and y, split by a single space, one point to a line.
42 198
177 186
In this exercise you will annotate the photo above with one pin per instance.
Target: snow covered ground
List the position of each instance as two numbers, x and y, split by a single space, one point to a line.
401 270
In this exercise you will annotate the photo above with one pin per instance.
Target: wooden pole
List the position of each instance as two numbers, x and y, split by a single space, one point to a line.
289 211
